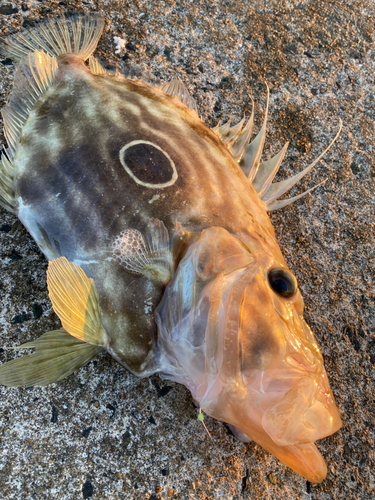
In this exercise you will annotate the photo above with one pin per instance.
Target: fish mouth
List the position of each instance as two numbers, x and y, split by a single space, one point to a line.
305 458
306 413
286 427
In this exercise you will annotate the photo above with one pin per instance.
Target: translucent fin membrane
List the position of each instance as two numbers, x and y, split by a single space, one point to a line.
232 133
235 138
7 191
132 72
57 355
150 257
278 204
242 139
75 300
261 174
34 75
78 35
95 67
176 88
222 130
267 171
135 71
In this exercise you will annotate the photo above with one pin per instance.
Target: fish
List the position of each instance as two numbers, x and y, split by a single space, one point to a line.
160 247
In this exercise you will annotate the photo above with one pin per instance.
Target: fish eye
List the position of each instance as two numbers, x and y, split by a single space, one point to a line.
282 282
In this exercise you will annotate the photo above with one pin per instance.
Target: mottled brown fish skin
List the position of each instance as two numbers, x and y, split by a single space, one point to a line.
75 195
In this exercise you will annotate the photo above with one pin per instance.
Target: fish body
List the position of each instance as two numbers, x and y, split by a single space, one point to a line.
75 196
160 247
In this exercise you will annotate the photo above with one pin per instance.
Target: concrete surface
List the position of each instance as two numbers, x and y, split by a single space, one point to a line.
102 433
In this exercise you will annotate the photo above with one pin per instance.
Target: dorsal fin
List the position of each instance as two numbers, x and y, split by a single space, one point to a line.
74 35
34 75
261 174
7 191
275 190
232 133
37 49
238 146
253 152
135 71
176 88
236 138
222 130
267 171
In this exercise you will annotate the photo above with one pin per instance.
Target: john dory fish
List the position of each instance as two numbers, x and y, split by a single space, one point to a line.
160 247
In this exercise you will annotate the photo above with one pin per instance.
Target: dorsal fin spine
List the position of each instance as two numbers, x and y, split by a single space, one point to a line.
261 174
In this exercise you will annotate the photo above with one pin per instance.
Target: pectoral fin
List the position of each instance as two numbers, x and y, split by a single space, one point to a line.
150 256
57 354
75 300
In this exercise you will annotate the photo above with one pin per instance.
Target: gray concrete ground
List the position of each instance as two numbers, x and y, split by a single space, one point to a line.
102 433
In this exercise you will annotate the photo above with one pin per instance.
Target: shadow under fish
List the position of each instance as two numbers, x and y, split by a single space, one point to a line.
160 247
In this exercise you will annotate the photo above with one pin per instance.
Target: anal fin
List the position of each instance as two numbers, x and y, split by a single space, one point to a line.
57 354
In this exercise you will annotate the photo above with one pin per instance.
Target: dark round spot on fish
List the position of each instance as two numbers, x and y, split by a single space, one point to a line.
148 165
282 282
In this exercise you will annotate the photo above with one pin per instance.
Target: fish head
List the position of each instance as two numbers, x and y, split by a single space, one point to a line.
231 329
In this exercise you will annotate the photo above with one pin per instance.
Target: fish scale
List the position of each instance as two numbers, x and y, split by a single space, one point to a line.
161 250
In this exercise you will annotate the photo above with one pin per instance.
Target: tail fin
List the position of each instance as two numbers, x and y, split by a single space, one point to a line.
57 354
75 35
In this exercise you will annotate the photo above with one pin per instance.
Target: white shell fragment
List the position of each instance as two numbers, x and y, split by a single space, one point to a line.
120 44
